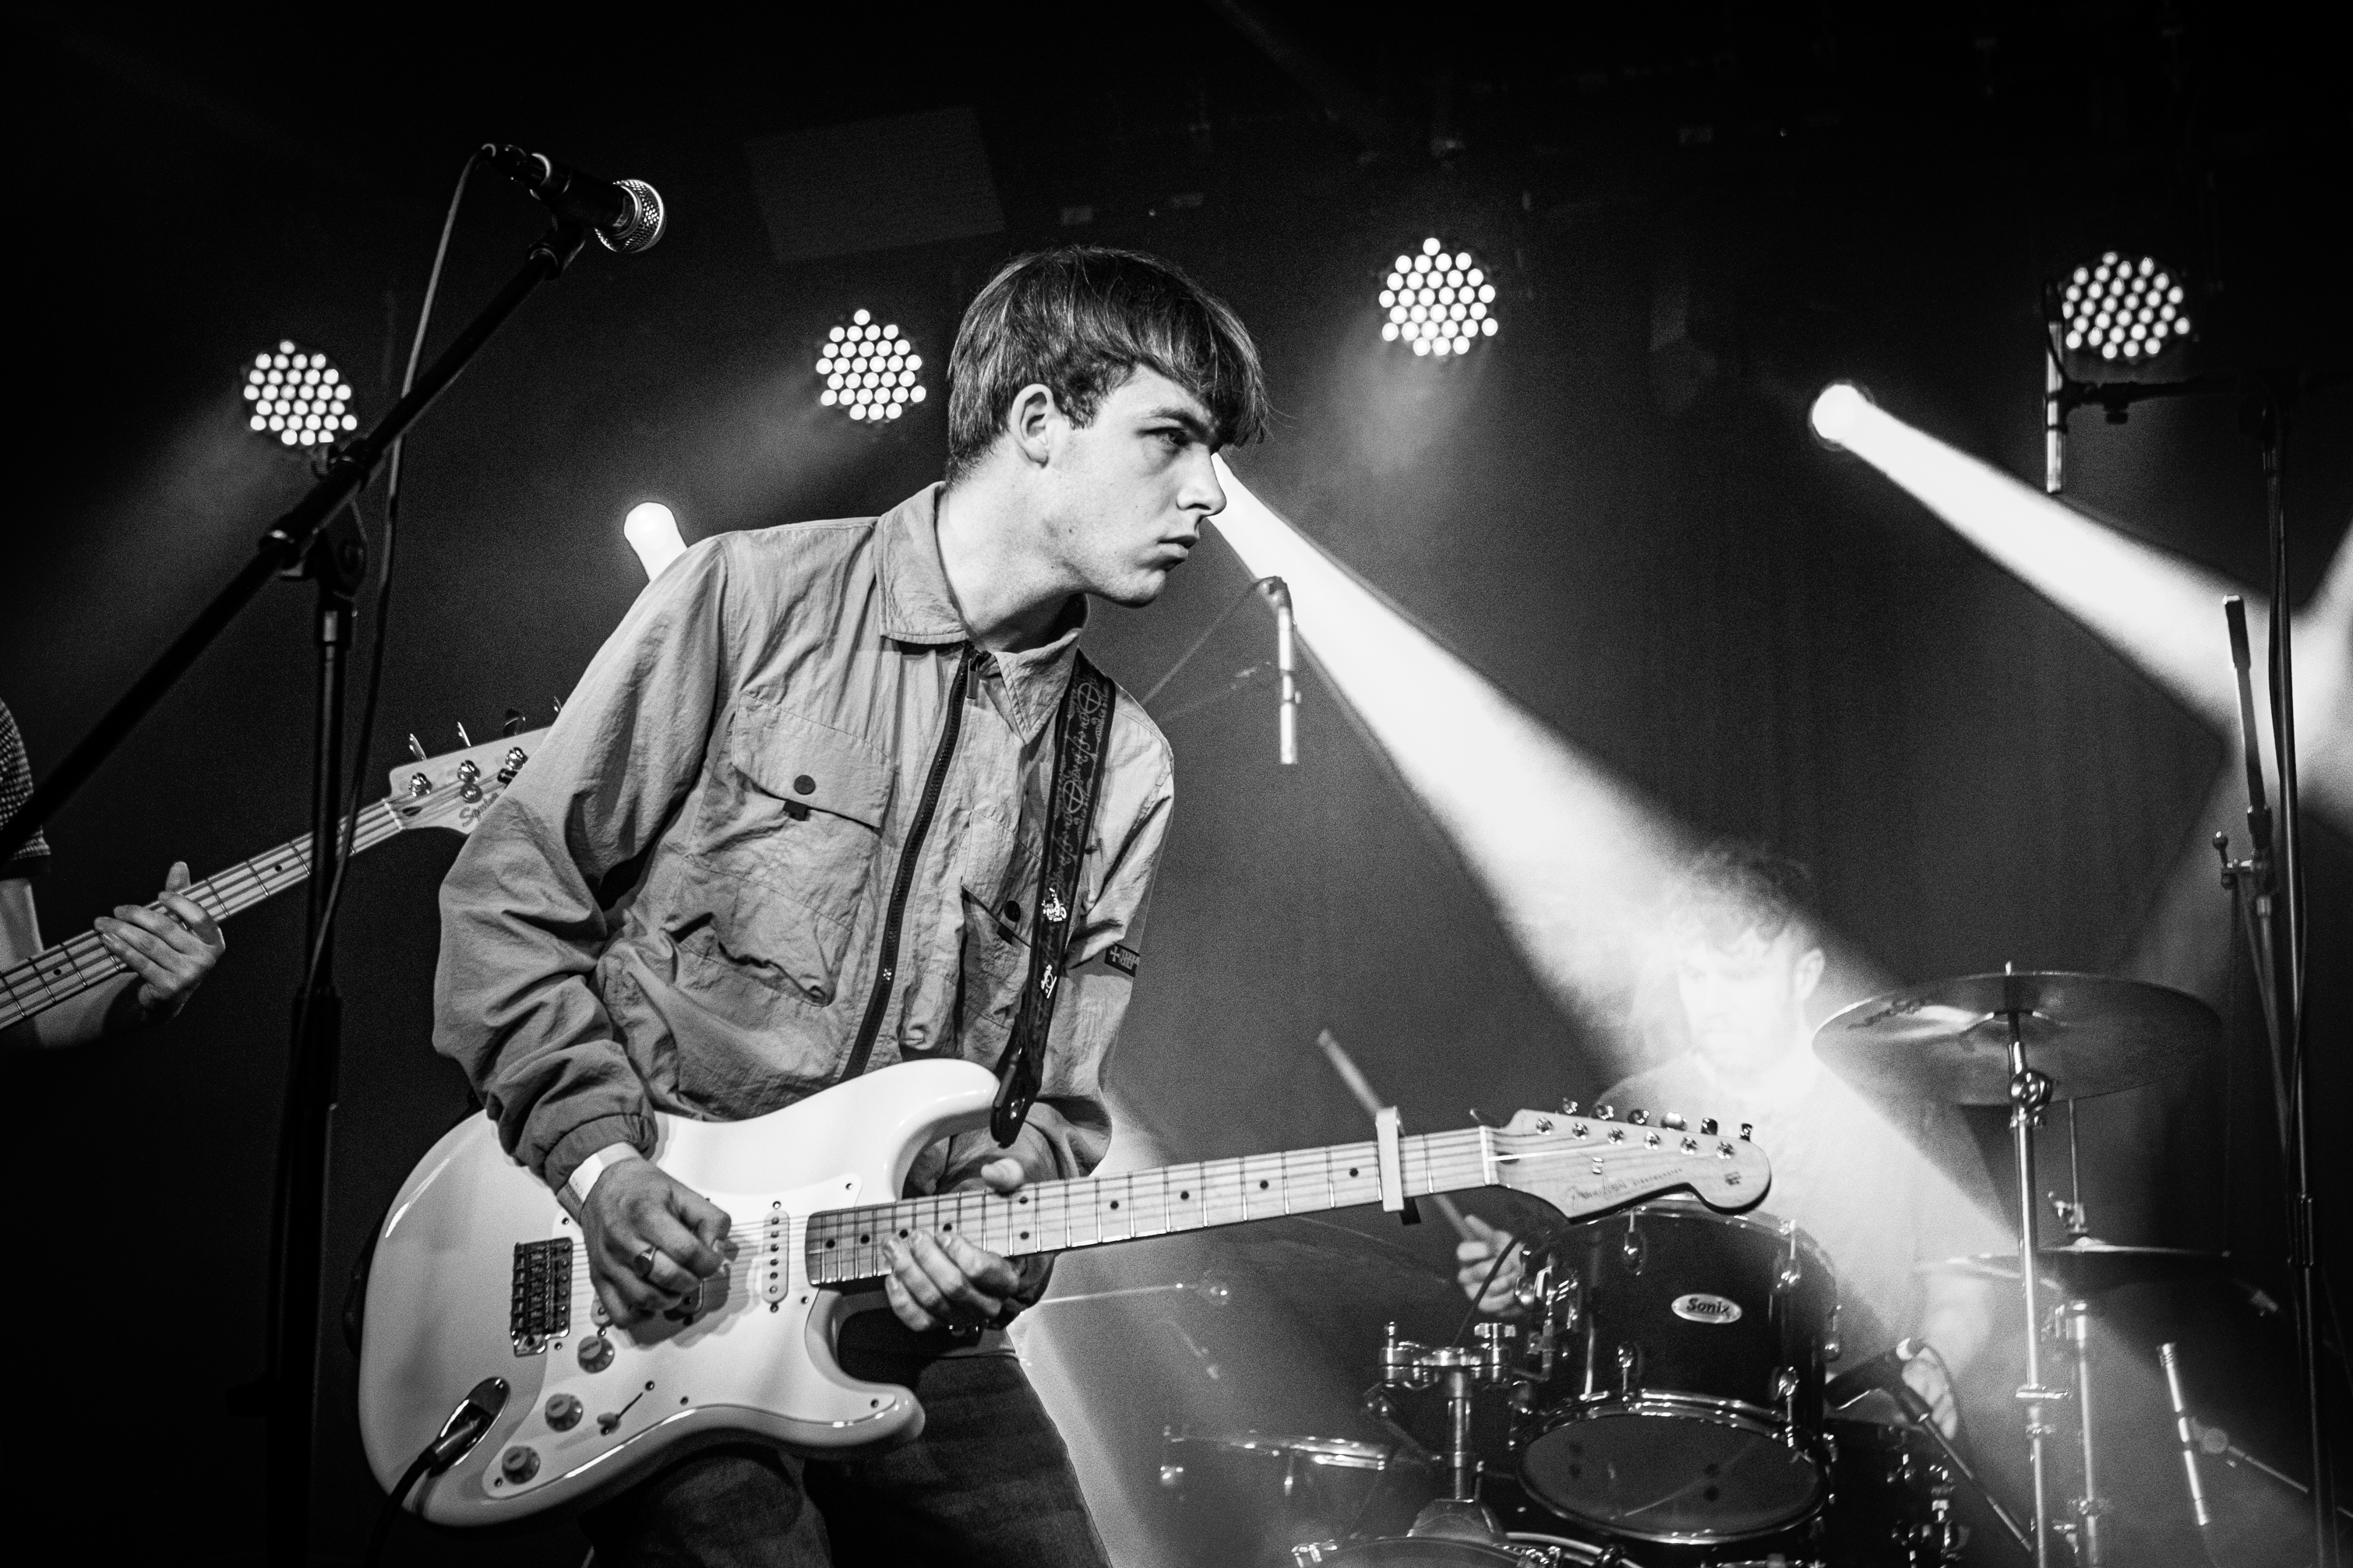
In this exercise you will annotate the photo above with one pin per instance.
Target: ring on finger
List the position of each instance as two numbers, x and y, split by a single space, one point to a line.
642 1264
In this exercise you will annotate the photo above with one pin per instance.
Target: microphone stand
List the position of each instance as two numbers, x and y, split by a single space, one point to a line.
307 542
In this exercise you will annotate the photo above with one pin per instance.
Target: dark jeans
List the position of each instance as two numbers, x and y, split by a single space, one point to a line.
988 1483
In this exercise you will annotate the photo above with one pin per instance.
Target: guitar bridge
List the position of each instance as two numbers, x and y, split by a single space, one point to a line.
539 1308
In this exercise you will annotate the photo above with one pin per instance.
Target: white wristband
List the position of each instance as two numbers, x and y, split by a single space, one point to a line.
584 1175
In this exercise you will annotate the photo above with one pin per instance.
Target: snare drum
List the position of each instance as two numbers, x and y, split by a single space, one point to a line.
1686 1406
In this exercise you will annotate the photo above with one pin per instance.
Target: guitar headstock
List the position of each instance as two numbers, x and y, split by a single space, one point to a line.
1588 1164
455 788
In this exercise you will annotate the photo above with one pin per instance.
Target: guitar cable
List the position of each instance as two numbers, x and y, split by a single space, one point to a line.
466 1425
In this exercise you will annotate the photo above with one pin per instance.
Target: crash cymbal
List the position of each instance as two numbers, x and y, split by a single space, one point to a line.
1949 1040
2087 1266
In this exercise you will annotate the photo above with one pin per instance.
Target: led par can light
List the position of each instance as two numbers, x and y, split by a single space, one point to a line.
296 397
1437 301
2118 314
869 369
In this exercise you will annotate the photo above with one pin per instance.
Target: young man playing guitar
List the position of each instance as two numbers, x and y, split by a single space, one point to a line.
793 826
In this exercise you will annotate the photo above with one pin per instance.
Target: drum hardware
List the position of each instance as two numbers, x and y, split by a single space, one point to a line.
1977 1040
1461 1370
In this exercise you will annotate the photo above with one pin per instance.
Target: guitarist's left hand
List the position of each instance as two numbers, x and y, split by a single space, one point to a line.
171 949
960 1284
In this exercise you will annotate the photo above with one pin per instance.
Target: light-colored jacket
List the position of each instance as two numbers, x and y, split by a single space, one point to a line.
682 900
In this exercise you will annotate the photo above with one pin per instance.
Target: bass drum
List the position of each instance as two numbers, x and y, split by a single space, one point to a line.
1527 1548
1687 1405
1244 1500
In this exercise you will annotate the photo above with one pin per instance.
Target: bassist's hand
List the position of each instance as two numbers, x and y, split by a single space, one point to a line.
637 1204
958 1284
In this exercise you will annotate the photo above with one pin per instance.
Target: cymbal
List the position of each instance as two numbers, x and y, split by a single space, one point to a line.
2087 1266
1949 1040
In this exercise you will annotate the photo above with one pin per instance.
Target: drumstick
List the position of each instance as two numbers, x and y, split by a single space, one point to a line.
1361 1087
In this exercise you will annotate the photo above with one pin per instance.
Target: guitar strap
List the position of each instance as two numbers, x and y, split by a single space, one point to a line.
1082 736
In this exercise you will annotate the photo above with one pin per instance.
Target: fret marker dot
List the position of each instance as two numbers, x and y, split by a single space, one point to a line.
1114 1202
1262 1186
1023 1200
1186 1196
903 1235
1025 1236
864 1239
1352 1170
829 1244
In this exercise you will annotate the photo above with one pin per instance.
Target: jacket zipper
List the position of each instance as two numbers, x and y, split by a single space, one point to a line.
895 915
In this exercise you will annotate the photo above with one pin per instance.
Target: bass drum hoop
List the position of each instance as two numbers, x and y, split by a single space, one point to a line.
1660 1404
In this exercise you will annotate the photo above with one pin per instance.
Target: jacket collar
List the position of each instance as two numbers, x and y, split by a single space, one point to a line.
917 607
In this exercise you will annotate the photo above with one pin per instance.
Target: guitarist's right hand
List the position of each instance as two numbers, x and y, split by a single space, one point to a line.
637 1204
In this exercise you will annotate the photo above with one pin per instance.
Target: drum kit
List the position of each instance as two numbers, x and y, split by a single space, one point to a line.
1667 1375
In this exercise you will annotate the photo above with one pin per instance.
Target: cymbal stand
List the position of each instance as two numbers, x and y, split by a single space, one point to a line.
2029 1093
2072 1323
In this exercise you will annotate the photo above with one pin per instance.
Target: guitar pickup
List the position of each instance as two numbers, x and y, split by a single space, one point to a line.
538 1308
773 1269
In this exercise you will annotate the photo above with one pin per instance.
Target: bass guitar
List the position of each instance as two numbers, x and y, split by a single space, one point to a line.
451 791
479 1281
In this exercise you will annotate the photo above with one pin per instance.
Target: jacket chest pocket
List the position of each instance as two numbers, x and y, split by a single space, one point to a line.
792 825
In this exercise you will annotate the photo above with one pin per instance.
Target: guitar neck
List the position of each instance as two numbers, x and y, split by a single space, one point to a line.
846 1244
59 974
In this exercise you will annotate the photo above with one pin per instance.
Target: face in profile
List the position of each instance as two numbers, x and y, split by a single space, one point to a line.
1744 995
1131 488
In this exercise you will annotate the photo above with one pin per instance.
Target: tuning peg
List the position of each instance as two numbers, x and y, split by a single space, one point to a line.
1568 1108
1746 1127
1604 1112
1673 1122
416 748
559 707
516 723
1708 1127
1638 1117
463 737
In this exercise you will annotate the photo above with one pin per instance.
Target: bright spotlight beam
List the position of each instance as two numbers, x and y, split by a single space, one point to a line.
651 530
1572 858
2159 611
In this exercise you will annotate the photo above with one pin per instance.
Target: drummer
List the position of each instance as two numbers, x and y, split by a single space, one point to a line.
1879 1187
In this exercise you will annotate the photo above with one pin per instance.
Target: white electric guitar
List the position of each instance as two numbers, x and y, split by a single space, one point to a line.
451 791
479 1281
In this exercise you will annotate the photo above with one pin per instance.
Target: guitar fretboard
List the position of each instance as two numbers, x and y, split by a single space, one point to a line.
58 974
845 1244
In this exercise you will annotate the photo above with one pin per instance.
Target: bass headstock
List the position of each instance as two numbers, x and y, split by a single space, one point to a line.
454 789
1585 1165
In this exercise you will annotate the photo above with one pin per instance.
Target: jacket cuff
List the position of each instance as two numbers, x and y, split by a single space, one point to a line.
564 1155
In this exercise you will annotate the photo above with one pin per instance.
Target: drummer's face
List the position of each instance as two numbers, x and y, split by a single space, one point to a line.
1745 1001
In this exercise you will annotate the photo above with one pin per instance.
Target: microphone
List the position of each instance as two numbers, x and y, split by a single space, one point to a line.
1286 711
2186 1429
625 215
1883 1371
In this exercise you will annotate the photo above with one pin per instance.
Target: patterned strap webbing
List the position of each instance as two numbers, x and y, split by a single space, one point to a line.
1081 735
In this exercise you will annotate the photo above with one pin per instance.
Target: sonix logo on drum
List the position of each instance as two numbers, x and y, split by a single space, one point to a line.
1701 1308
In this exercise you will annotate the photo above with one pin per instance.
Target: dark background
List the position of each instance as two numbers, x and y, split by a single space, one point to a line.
1613 510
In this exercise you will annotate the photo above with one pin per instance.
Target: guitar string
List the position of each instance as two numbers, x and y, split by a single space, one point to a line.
60 972
1436 1169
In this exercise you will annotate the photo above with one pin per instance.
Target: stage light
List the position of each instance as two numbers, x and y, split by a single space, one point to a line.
870 371
1836 410
2118 312
1439 301
2161 612
651 530
297 398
